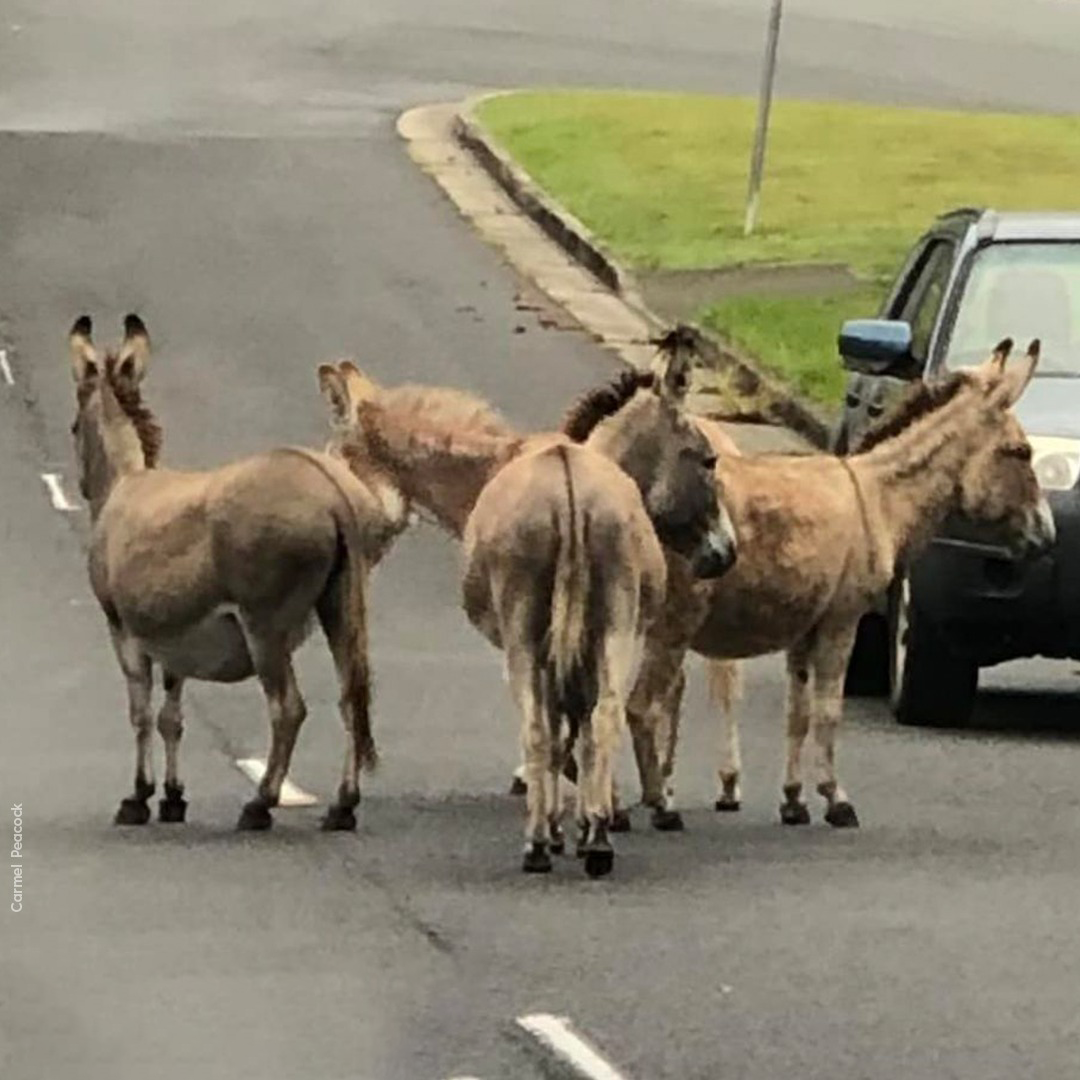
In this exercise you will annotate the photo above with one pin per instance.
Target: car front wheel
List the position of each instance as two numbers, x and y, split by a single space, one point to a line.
930 686
868 667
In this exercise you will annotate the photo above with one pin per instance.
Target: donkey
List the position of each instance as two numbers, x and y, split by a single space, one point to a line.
442 447
820 537
565 572
219 575
652 704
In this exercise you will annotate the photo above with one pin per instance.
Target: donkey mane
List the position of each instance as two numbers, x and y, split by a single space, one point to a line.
441 410
603 401
427 423
129 397
921 400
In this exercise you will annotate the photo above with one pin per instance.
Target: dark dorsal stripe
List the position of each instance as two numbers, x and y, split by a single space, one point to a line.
920 400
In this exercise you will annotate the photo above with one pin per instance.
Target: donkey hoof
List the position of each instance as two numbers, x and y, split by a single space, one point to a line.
558 842
537 860
841 815
620 821
172 811
667 820
727 804
339 819
795 813
132 812
255 816
518 787
599 861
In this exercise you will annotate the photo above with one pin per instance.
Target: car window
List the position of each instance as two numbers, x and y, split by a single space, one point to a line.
923 302
1022 291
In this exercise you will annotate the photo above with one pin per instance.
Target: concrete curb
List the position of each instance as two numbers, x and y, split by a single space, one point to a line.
779 404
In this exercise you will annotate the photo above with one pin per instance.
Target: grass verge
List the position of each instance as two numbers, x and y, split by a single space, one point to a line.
660 179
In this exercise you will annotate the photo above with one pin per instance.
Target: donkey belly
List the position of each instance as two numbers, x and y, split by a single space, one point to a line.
213 650
756 622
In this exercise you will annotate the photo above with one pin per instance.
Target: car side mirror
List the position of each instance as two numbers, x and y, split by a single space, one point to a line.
878 347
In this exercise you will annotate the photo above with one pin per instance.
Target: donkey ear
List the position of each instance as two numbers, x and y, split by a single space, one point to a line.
336 396
1000 355
360 387
85 362
135 351
1015 380
673 364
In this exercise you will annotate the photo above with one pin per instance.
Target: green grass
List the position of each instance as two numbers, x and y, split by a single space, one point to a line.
795 336
661 180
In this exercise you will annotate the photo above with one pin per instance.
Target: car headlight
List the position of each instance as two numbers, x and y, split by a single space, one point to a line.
1056 461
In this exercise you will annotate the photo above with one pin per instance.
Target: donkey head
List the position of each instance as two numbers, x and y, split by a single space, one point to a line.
654 440
113 430
998 485
346 388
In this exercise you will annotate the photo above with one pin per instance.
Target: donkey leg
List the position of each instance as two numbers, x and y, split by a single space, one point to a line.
138 671
170 725
620 815
354 678
287 710
561 753
586 780
830 664
793 810
667 818
724 678
645 714
536 743
603 732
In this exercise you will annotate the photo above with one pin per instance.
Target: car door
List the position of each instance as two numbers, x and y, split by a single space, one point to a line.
916 298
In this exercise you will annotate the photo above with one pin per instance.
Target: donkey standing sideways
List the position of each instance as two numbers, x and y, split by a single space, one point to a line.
821 537
218 575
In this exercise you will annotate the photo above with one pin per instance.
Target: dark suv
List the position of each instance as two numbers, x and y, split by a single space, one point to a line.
974 278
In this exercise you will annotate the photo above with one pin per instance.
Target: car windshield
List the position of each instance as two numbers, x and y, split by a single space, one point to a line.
1022 291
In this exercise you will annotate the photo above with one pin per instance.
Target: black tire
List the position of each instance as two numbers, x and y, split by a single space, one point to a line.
868 668
930 685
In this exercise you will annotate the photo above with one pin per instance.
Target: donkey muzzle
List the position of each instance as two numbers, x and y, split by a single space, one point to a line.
717 553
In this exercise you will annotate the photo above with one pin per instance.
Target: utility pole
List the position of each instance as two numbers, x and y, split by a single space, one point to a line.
757 161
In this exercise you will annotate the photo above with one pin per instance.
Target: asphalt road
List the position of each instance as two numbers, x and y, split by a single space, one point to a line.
231 171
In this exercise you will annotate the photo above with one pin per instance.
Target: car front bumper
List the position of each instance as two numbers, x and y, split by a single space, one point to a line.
992 607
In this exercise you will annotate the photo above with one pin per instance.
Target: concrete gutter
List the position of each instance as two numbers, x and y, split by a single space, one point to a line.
772 402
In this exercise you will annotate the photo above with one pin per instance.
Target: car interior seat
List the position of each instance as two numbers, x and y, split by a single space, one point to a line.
1028 303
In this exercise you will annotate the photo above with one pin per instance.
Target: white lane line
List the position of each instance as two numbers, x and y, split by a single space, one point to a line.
56 492
558 1038
5 368
291 795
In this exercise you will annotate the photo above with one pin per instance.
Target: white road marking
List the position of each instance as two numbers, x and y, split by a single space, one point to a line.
291 795
56 492
5 368
572 1050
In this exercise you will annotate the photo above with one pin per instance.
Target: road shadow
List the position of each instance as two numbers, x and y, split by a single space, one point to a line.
1026 714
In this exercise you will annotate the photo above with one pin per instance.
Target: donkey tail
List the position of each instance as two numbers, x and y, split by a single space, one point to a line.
725 682
356 667
568 631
